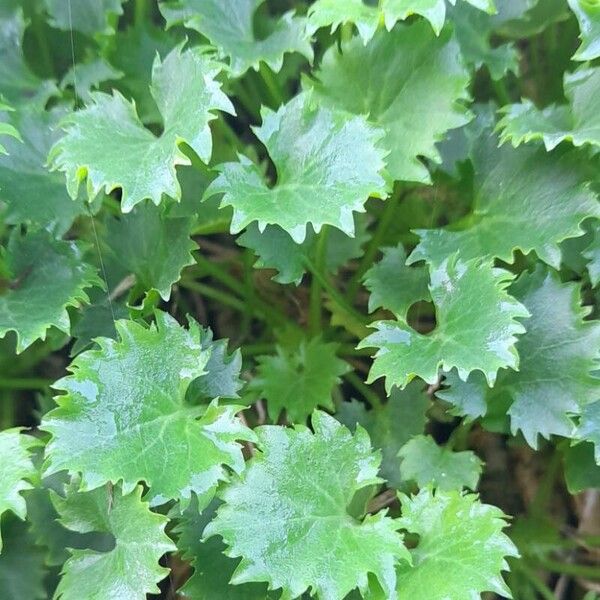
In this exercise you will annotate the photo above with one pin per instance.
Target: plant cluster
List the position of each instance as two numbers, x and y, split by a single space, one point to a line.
299 299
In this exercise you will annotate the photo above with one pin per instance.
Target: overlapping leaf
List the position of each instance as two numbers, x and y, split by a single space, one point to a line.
30 193
87 76
87 16
367 17
148 433
290 525
395 286
140 163
152 246
415 101
327 165
16 471
391 425
300 380
229 26
525 198
476 328
429 464
45 277
588 15
578 121
453 530
130 570
6 129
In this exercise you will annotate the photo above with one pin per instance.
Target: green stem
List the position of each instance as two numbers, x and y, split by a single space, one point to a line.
501 91
555 566
24 383
369 395
540 587
543 494
336 296
221 275
272 85
139 14
213 293
385 220
315 305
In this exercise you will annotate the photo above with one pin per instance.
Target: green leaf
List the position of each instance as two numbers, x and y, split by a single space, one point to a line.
581 470
558 354
391 425
16 471
149 434
429 464
277 250
133 53
577 122
91 17
299 380
524 198
87 76
314 150
21 564
588 15
130 570
467 397
30 193
152 246
476 328
414 102
367 17
6 128
212 569
229 26
325 13
589 426
140 163
474 30
46 277
18 83
449 561
395 286
222 377
290 524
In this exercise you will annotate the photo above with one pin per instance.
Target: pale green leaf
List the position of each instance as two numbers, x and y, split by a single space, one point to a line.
461 550
592 253
46 277
18 83
152 246
299 380
327 164
524 198
16 471
558 354
130 570
429 464
589 426
467 397
87 76
141 164
395 286
87 16
577 122
148 434
391 425
581 470
29 192
476 328
212 569
290 524
229 26
414 102
588 15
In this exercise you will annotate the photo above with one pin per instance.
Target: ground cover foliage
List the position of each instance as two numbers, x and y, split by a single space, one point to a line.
299 299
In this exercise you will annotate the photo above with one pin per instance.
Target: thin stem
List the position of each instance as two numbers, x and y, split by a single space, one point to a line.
315 302
272 85
555 566
139 13
221 275
385 220
369 395
501 91
213 293
540 587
